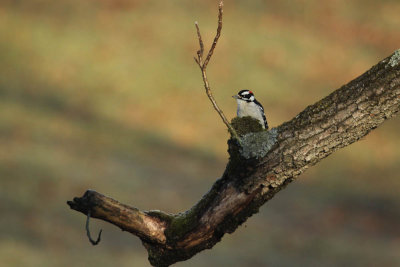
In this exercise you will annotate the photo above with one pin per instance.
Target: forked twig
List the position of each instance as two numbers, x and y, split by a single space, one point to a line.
203 67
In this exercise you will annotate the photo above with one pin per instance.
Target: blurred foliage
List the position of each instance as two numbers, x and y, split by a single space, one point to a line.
105 95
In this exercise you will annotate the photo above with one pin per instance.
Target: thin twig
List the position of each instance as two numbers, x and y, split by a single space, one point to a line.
94 243
214 44
201 51
203 67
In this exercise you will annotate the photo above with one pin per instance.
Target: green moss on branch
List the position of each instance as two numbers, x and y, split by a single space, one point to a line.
245 125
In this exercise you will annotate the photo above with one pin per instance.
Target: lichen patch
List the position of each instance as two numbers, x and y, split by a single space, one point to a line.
395 59
257 145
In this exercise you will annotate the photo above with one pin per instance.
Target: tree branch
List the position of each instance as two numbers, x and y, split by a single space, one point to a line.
127 218
263 165
214 44
203 68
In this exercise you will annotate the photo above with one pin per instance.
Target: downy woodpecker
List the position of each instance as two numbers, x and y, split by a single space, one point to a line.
247 105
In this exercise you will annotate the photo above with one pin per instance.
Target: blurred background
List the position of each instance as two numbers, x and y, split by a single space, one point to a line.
105 94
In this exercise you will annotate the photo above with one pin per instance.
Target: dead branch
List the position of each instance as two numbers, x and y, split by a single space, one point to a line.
263 165
127 218
203 68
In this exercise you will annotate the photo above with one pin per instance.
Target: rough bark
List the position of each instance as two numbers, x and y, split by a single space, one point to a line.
263 164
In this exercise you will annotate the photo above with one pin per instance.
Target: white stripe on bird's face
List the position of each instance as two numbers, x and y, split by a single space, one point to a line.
246 95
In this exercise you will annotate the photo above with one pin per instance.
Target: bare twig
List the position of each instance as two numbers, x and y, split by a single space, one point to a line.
201 51
94 243
214 44
203 67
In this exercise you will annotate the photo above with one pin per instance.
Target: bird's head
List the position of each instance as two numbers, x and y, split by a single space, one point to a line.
245 95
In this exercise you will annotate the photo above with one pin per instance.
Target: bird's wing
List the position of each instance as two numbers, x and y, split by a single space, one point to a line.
263 114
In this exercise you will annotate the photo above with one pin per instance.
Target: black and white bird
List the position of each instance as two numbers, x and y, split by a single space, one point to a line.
247 105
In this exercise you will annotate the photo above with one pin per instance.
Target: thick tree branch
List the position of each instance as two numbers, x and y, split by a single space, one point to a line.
263 165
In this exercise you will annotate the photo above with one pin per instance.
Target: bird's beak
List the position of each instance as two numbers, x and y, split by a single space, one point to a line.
235 96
